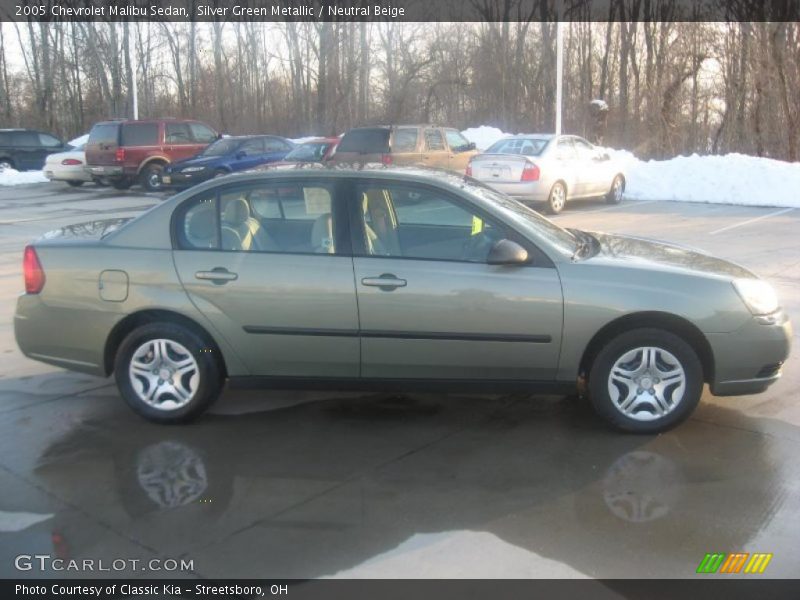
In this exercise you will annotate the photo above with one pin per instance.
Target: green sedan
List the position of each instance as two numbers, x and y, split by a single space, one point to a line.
391 278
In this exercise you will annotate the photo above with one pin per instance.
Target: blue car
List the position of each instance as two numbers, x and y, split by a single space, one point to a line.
227 155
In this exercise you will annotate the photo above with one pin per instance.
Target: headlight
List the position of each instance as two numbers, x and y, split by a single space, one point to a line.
192 169
757 295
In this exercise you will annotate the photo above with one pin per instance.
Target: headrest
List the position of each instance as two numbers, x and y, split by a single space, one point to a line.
236 212
200 227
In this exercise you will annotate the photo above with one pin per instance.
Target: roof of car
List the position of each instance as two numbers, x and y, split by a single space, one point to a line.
537 136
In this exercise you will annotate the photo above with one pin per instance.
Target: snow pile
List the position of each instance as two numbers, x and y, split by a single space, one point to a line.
14 177
726 179
483 136
79 141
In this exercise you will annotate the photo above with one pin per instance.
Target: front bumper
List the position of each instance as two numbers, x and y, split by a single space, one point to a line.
180 179
749 360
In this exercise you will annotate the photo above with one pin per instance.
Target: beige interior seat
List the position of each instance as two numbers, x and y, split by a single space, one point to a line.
250 235
322 241
381 228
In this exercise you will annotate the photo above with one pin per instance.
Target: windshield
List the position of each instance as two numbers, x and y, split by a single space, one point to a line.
309 151
561 238
523 146
221 147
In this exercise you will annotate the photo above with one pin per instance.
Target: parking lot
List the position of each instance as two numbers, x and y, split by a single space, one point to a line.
305 485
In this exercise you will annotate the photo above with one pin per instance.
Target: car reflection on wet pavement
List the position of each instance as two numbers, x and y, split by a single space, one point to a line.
324 487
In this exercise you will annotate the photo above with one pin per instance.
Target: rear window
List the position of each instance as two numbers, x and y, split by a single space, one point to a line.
365 141
104 133
525 147
140 134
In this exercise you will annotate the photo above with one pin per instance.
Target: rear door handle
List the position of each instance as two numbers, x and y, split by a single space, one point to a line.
386 282
217 275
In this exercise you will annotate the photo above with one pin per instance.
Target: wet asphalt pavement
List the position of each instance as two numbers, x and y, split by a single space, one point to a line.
303 485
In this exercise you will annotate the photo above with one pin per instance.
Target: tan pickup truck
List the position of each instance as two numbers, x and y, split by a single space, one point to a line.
425 145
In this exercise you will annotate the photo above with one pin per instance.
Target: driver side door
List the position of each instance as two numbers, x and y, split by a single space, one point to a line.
430 307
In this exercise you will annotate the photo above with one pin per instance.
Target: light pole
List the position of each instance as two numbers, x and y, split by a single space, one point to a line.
559 68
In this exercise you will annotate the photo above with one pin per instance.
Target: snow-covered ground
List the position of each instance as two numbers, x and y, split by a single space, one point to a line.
726 179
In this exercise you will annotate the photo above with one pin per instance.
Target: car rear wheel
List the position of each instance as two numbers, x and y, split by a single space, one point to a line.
167 373
74 183
645 381
150 177
121 184
614 195
557 198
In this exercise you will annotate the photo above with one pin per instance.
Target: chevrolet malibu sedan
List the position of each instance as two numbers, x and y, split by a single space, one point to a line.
387 279
549 169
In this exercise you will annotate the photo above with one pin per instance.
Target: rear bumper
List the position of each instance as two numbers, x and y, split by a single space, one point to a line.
749 360
56 173
526 191
106 170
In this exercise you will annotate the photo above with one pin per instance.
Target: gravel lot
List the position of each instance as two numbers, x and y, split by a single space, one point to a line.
279 484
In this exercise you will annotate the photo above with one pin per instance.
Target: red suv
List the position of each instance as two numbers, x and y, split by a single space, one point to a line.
124 152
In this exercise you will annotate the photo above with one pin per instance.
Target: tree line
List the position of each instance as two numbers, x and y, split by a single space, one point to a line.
671 87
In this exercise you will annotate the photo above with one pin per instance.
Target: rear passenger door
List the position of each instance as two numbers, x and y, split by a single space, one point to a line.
405 146
435 153
274 149
269 264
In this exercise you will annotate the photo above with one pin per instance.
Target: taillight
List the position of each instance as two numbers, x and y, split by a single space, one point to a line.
386 159
120 155
32 268
71 162
530 173
468 172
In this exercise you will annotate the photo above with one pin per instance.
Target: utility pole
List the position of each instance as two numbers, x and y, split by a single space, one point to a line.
559 66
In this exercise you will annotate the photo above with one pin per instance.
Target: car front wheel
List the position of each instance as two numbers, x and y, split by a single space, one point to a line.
645 381
74 183
167 373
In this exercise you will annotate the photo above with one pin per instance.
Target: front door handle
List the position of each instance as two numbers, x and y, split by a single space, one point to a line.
386 282
217 275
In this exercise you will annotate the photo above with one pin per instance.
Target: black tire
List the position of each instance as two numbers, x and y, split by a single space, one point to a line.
121 184
74 183
150 177
209 365
614 195
100 182
636 338
557 199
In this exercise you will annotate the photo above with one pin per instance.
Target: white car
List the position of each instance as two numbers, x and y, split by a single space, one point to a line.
69 166
550 169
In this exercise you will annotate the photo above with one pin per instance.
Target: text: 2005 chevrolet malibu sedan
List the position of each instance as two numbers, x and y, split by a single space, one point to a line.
392 278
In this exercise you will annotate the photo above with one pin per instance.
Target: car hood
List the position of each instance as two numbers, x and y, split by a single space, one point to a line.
196 161
653 253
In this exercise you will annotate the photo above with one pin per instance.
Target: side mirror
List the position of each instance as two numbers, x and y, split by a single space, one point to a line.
471 146
506 252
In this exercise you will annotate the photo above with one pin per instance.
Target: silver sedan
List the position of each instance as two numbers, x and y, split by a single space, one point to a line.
549 168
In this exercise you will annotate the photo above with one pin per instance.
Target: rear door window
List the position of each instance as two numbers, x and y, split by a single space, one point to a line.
275 145
433 139
25 138
456 141
140 134
252 147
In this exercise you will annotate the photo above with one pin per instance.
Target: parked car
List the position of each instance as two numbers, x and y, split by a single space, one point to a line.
550 169
311 152
126 152
225 156
391 278
69 166
26 149
424 145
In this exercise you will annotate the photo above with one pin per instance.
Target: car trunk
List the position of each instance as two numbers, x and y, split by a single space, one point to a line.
502 168
101 149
